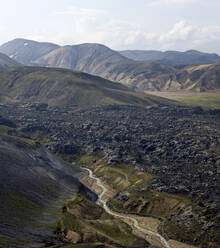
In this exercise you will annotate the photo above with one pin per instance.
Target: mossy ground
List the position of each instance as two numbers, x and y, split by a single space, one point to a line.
5 129
84 216
18 202
208 100
16 242
86 245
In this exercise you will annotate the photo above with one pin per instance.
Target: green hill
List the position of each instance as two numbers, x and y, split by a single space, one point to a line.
65 87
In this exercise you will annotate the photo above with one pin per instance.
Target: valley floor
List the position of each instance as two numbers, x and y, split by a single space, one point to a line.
146 227
209 99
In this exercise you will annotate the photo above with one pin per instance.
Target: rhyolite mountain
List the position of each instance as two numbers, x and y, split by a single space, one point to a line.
26 51
198 78
5 61
55 86
34 184
190 57
90 58
100 60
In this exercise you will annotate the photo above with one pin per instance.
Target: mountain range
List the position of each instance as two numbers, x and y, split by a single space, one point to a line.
102 61
190 57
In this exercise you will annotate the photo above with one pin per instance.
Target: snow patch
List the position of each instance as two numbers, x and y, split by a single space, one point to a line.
13 56
25 44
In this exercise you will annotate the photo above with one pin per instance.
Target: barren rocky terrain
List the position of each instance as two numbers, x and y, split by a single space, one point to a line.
178 145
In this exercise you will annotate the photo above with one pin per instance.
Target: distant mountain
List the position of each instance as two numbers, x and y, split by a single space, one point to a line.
100 60
198 78
5 61
91 58
26 51
191 57
64 87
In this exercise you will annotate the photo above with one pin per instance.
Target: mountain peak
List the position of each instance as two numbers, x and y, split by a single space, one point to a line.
25 51
6 61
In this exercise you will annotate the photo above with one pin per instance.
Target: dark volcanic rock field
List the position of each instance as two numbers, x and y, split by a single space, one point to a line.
180 145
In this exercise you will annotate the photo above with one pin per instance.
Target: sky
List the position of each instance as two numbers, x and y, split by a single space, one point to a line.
120 24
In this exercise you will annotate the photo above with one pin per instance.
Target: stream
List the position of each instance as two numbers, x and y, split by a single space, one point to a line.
102 202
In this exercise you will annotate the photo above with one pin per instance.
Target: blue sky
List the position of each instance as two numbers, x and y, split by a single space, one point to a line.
119 24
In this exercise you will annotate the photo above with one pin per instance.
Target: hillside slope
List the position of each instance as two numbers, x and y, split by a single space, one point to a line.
91 58
5 61
199 78
191 57
34 184
66 87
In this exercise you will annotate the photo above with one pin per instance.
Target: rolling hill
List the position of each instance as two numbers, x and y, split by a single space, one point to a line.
191 57
56 86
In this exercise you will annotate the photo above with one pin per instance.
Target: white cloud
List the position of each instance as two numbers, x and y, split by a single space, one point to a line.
80 11
184 35
77 25
171 2
180 31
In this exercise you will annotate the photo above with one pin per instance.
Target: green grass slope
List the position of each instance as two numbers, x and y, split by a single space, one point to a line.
64 87
34 184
